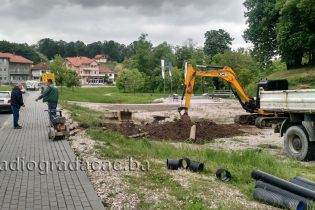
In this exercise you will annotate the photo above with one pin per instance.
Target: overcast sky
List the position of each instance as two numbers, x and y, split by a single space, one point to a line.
173 21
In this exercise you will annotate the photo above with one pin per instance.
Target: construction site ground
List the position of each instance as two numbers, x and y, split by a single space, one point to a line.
161 188
204 109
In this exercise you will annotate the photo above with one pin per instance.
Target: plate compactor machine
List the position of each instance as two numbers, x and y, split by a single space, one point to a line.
57 128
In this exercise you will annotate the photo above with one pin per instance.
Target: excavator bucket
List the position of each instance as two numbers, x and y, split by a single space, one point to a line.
125 116
182 110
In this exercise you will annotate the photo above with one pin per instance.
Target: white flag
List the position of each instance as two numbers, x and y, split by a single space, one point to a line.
162 68
185 69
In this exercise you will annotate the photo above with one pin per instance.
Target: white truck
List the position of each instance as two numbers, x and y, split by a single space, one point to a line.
298 128
32 85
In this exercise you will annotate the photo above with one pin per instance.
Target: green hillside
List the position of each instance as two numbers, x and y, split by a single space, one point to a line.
298 78
301 78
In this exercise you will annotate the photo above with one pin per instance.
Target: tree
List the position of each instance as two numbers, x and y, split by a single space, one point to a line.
119 68
182 55
296 31
135 80
116 51
284 27
72 79
162 51
20 49
141 58
70 50
132 80
94 49
43 57
262 17
58 67
48 47
80 48
217 41
121 81
198 57
245 67
307 13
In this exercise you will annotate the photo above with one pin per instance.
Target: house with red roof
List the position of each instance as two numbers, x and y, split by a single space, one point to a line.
101 58
14 68
86 68
38 70
107 72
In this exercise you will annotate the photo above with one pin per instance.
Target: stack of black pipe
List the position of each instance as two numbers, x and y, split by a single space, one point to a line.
297 194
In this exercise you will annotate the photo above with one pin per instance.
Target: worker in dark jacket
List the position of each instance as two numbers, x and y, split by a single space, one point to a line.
16 103
51 96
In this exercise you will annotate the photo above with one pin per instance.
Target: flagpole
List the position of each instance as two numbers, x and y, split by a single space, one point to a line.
171 86
170 68
164 86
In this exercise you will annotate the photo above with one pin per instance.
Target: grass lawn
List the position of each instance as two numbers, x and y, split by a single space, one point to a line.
300 78
107 95
5 87
202 191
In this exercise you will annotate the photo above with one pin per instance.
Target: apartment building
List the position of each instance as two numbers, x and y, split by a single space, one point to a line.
87 69
14 68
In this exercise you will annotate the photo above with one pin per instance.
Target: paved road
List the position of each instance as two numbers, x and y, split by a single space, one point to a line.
34 172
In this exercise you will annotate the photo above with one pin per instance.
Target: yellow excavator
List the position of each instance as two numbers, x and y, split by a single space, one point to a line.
257 116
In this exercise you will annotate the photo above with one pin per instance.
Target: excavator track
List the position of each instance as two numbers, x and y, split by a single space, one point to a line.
258 120
246 119
267 122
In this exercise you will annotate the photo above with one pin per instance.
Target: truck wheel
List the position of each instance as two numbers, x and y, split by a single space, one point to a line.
297 144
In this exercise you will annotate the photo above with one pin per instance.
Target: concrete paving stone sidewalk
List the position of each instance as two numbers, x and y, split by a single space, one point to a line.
25 155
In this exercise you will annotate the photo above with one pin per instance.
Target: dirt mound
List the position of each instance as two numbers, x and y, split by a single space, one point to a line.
180 130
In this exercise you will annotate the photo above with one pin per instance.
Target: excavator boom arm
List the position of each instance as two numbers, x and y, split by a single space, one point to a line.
225 73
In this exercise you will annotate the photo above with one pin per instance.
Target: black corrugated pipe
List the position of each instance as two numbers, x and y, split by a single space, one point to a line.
269 187
173 164
304 182
277 200
283 184
195 166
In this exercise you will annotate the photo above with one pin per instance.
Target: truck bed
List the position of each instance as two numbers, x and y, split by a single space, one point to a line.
294 101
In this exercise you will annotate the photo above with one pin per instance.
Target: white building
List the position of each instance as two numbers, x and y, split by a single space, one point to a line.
101 58
14 68
107 72
38 70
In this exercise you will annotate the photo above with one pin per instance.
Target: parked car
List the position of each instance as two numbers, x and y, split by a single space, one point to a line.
5 97
32 85
23 90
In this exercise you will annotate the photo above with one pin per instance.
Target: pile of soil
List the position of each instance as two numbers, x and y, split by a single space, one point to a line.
179 130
